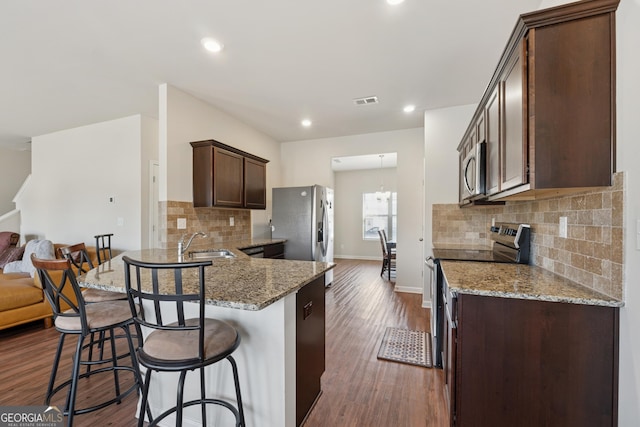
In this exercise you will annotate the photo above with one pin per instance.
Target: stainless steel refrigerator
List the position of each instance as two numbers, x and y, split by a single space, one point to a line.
304 217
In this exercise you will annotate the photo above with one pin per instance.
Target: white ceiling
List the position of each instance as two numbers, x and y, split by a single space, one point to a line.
68 63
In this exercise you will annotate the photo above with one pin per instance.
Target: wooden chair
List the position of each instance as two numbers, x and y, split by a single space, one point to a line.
388 257
181 345
84 320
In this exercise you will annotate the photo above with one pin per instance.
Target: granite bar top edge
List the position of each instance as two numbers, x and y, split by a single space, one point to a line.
519 281
241 283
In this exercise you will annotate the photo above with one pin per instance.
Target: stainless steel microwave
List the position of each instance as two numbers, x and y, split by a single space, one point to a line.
473 172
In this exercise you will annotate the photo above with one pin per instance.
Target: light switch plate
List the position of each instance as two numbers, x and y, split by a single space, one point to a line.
231 221
182 223
562 232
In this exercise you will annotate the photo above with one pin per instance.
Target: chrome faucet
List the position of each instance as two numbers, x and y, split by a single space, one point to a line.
182 247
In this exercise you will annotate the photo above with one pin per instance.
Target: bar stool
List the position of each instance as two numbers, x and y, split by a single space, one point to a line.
78 256
103 247
72 316
178 345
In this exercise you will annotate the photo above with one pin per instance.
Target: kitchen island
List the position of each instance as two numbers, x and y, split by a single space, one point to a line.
524 346
261 299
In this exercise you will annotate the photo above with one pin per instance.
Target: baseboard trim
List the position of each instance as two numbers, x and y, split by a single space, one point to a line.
408 290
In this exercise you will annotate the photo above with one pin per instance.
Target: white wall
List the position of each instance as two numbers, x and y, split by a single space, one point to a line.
349 186
628 153
15 166
185 118
443 130
74 172
309 162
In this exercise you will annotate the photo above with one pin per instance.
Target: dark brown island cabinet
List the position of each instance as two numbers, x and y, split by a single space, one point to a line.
528 363
310 346
548 113
224 176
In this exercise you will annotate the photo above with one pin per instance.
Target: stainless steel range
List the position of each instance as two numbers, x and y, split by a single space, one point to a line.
510 243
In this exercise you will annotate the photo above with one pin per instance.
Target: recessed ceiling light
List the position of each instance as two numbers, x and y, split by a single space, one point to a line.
409 108
212 45
394 2
306 123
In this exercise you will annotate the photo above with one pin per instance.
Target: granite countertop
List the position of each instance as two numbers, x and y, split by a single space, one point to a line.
242 282
519 281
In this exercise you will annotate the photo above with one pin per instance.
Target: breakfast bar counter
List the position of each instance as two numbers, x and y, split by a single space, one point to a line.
240 282
262 298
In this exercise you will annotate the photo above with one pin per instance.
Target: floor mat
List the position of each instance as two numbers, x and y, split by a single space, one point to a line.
406 346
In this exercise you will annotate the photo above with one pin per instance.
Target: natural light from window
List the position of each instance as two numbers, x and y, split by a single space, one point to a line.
379 212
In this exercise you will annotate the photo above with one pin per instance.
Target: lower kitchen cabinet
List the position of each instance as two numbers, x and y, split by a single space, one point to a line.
310 346
275 250
517 362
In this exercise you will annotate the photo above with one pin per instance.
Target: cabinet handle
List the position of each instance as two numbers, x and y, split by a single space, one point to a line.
307 310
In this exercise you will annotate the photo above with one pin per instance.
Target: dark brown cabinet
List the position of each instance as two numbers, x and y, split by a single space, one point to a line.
310 346
255 184
513 142
492 114
555 115
275 251
224 176
515 362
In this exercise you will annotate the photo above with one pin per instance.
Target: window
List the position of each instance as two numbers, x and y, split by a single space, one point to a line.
379 212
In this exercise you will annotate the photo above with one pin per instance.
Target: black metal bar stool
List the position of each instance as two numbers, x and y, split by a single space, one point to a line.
79 257
103 247
180 345
72 316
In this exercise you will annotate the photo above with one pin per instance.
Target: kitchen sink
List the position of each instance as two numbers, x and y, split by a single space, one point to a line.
211 253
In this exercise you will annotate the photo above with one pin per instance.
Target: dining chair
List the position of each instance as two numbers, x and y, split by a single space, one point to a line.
388 257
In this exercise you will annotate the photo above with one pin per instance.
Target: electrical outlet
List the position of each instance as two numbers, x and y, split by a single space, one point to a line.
562 231
182 223
231 221
120 221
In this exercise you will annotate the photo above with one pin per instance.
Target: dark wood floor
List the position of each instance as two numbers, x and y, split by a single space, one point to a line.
358 389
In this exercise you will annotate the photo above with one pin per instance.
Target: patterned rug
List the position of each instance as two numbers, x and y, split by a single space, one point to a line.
406 346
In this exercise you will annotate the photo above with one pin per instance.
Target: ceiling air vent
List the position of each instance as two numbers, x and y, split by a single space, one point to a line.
366 100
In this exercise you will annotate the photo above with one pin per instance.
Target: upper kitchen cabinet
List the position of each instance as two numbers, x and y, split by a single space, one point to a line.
224 176
550 105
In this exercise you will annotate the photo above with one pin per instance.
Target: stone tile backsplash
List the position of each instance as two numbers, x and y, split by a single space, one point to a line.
213 221
590 255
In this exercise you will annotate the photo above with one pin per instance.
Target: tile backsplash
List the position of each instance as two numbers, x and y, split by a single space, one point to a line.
213 221
590 255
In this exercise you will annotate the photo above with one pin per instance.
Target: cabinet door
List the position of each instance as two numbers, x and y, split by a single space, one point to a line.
481 128
255 184
202 176
310 345
493 143
513 144
274 251
228 180
451 359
